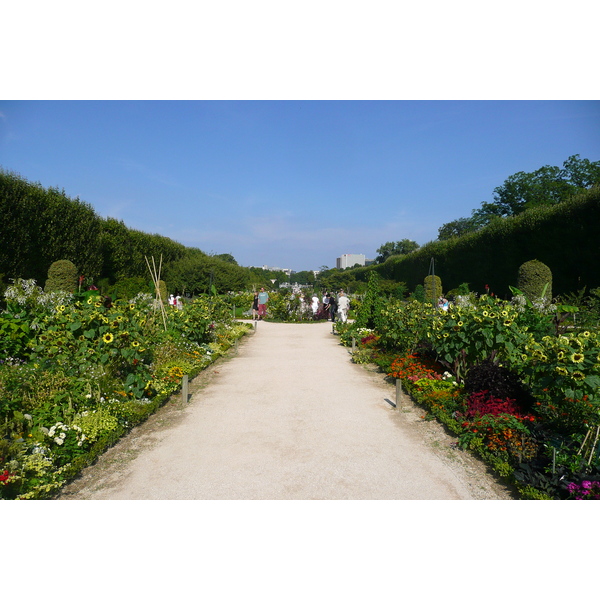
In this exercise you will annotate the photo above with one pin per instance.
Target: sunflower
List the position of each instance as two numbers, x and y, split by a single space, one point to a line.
561 371
560 355
504 313
485 313
578 376
586 334
135 344
108 338
507 322
61 308
576 357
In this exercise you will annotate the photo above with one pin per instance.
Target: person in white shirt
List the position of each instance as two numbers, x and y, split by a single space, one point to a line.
343 303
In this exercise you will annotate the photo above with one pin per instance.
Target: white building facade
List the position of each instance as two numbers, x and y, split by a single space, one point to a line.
350 260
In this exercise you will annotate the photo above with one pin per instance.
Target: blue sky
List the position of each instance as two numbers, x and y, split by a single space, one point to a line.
289 184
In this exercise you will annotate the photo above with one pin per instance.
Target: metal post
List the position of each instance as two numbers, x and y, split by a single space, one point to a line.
398 393
184 389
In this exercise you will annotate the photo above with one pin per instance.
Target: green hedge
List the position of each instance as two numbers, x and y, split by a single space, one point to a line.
564 237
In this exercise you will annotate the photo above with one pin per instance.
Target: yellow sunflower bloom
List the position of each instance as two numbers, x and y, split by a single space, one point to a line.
108 338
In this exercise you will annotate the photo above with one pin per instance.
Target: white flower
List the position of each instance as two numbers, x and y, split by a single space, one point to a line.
28 417
59 441
62 436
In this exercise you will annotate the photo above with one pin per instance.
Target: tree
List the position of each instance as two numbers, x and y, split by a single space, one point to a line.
228 258
522 191
391 248
546 186
456 228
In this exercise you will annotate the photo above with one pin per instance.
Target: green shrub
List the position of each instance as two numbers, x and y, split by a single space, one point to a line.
433 288
62 277
535 280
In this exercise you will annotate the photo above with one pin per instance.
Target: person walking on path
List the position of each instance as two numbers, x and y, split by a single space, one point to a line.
314 305
263 298
332 307
343 306
255 307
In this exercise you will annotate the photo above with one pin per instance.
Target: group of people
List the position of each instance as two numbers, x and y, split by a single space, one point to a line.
176 302
329 307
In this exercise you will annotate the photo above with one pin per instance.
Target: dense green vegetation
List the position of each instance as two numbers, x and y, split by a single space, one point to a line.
515 381
40 226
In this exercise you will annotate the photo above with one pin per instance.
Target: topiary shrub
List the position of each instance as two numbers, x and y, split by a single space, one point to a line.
433 288
371 304
62 277
162 290
535 280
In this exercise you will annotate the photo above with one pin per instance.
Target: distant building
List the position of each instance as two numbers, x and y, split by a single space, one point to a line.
350 260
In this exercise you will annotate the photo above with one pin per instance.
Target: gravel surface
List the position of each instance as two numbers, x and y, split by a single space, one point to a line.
288 417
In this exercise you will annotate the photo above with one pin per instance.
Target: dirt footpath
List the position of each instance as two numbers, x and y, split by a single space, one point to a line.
288 417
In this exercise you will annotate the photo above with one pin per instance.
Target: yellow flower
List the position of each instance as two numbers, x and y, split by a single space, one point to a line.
460 323
90 300
562 371
504 313
578 376
485 313
577 357
135 344
507 322
108 338
61 308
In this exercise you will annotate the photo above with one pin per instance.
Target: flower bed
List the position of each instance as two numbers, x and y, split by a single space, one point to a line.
514 387
83 371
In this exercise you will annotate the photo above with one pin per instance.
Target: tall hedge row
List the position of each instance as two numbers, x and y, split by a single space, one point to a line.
565 237
40 226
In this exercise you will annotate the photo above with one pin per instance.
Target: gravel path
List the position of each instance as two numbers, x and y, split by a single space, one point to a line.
288 417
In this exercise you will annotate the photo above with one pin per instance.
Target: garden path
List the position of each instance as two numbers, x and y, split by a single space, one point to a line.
289 417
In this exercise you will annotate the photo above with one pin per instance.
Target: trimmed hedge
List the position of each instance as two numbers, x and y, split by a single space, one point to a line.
565 237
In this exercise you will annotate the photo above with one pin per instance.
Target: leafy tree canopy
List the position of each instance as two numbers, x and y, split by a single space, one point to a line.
546 186
391 248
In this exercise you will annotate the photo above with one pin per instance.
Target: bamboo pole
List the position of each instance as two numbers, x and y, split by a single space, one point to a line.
155 274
